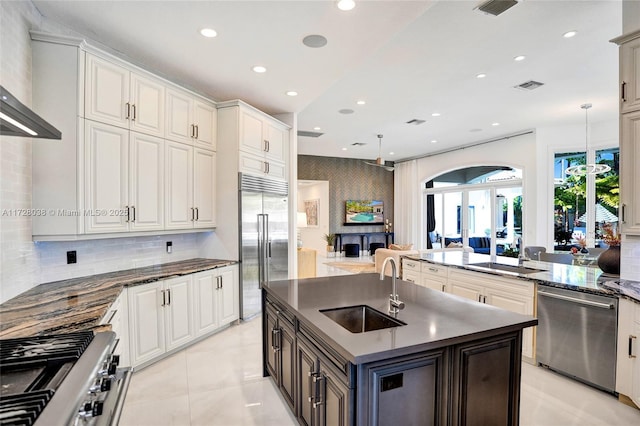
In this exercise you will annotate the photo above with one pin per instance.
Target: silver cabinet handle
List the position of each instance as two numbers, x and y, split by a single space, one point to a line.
133 209
433 269
197 214
128 212
632 353
164 298
444 287
193 214
193 131
197 131
266 167
168 296
318 398
624 207
133 108
275 337
623 91
480 298
128 105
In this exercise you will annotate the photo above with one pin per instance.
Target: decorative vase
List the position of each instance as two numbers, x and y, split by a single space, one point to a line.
584 250
609 260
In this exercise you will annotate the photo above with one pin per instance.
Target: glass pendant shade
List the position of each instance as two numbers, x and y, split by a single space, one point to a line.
587 169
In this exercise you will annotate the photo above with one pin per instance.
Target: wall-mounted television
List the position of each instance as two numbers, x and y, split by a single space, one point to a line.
364 212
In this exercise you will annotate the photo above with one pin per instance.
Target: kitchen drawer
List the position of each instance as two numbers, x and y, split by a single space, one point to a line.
411 276
433 269
411 265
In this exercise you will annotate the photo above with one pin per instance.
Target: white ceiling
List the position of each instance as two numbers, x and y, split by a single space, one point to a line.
406 59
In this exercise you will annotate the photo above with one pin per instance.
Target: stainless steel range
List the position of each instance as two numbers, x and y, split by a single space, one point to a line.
66 379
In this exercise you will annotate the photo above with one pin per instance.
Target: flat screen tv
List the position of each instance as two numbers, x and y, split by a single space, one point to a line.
364 212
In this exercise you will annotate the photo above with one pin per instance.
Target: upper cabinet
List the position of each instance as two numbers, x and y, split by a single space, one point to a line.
117 96
629 132
191 119
114 171
260 141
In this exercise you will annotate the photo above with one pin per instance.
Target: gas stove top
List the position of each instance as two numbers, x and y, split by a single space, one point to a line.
57 379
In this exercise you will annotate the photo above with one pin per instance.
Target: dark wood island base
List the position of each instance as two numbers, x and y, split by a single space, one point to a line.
439 369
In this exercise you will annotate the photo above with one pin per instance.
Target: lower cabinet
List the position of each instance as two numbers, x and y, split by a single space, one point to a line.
169 314
280 357
628 361
117 316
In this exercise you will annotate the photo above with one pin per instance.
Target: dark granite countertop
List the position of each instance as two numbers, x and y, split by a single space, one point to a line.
434 319
571 277
79 303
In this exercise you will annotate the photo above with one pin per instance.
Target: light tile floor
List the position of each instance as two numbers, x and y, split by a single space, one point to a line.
218 381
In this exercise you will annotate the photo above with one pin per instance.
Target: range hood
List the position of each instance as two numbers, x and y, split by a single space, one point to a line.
18 120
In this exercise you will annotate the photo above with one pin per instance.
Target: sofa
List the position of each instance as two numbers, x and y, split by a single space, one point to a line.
480 245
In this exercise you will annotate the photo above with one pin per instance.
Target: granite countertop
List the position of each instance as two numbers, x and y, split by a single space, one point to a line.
571 277
79 303
434 319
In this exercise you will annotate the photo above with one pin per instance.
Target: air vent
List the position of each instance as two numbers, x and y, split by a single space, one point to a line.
496 7
416 122
309 134
529 85
358 144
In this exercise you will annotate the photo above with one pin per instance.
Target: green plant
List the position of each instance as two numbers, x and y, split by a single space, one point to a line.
330 239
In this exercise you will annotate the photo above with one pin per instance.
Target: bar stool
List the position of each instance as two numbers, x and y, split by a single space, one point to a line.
351 250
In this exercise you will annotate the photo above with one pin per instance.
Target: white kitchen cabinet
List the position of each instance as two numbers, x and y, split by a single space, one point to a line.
118 96
124 189
261 142
434 276
630 73
216 298
160 318
510 294
190 196
630 173
190 119
628 351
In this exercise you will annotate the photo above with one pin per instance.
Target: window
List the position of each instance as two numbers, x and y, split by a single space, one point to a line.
583 204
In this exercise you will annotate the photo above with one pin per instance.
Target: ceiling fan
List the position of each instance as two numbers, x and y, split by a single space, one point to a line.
380 161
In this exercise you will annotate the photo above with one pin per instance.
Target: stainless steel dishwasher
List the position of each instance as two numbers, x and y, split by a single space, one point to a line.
577 335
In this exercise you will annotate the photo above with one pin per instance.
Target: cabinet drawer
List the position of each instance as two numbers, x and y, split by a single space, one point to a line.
411 276
432 269
408 264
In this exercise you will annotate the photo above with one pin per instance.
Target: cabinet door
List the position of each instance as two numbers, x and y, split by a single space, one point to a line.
277 140
205 302
630 75
434 282
518 304
276 170
228 295
630 173
177 306
466 290
307 370
106 92
252 164
271 337
179 213
179 117
635 350
204 188
107 173
205 119
251 133
147 105
334 395
627 346
287 362
146 322
411 276
146 183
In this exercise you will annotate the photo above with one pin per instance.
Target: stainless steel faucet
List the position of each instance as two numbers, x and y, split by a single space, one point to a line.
522 256
394 303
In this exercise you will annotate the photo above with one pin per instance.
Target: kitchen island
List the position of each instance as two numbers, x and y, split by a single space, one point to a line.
452 361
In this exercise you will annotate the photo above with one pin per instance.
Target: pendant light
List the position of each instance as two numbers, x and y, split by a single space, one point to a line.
380 161
587 169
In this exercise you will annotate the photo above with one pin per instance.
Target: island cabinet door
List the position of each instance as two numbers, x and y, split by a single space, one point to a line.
486 381
408 390
271 331
307 372
287 361
333 398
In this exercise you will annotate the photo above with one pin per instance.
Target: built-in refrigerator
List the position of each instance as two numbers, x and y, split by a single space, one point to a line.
264 238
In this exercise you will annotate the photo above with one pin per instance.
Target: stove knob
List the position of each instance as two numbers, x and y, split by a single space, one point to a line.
113 367
105 384
115 359
92 409
97 408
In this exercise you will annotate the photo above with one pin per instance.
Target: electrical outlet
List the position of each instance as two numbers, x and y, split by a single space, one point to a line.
169 246
71 257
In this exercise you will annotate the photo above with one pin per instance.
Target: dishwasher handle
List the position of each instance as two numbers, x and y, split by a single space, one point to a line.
575 300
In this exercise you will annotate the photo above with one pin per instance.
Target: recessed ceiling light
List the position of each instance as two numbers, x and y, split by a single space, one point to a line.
317 128
392 153
292 93
259 69
344 149
434 141
361 102
495 124
519 58
346 4
481 75
208 32
569 34
315 41
435 114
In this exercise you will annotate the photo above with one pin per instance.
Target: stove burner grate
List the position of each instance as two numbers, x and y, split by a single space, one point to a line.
23 409
32 350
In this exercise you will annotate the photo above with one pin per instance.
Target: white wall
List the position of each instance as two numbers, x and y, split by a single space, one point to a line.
25 264
313 237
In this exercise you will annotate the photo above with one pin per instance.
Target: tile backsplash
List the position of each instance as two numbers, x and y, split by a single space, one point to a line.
629 256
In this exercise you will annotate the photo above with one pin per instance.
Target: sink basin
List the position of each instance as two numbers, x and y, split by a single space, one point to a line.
507 268
361 318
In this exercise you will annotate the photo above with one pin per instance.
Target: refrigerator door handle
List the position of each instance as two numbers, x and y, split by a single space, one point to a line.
261 240
267 248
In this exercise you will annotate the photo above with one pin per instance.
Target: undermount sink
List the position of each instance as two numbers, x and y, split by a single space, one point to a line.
507 268
361 318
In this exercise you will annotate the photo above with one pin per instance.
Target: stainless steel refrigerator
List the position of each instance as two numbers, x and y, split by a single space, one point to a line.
264 234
